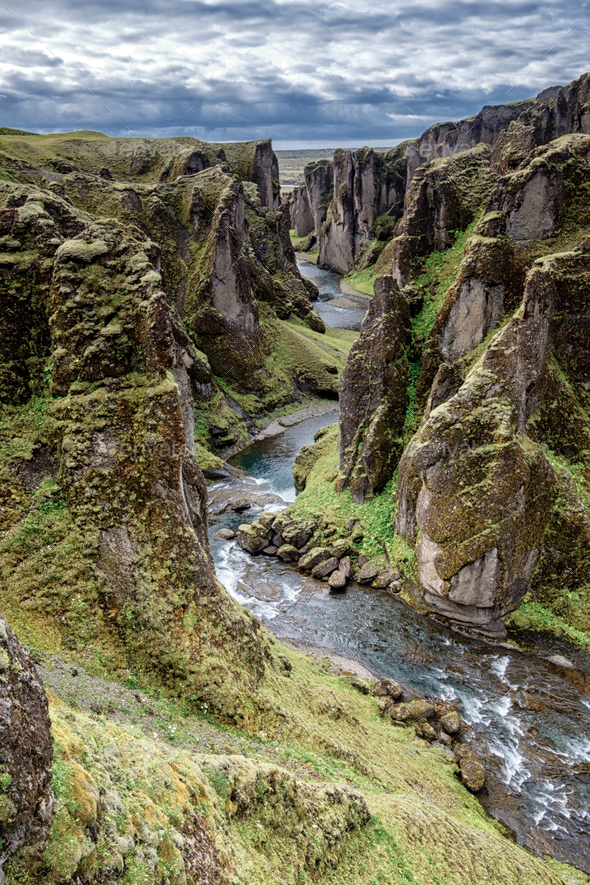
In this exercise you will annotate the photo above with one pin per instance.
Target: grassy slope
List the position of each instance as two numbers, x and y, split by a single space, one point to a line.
362 280
155 764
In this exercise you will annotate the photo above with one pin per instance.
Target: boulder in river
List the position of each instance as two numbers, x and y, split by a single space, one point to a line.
250 539
337 580
388 688
472 774
299 532
384 579
366 573
346 566
288 553
323 569
240 504
451 722
226 534
316 555
417 709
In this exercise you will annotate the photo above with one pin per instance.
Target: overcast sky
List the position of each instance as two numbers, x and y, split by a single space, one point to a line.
327 74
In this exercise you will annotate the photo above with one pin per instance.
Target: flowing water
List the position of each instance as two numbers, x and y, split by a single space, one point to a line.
329 304
530 713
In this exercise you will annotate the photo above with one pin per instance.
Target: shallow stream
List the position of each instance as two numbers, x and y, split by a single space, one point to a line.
530 713
331 302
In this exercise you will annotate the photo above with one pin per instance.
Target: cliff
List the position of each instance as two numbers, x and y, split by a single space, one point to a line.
494 476
356 200
145 316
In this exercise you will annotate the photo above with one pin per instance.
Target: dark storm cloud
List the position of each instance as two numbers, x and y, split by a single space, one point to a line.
333 73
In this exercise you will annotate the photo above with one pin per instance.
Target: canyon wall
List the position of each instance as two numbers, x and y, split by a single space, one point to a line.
356 199
498 355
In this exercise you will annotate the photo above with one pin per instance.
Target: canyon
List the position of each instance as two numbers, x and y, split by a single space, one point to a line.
155 320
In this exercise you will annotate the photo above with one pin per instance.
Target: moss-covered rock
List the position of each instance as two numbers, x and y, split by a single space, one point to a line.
26 752
373 394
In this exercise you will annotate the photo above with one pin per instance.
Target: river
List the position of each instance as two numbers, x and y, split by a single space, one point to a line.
337 311
530 714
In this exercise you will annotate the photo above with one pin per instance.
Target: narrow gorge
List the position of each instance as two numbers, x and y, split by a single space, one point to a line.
294 508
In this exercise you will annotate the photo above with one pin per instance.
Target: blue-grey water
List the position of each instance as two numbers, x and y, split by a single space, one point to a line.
274 457
533 725
328 283
530 723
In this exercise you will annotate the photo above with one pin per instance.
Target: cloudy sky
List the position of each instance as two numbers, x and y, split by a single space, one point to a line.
317 75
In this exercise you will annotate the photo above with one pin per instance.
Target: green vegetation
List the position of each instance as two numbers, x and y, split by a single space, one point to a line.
297 242
362 280
145 788
337 509
437 277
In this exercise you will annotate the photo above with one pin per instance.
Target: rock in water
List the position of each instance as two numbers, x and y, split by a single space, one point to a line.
388 688
251 540
418 709
325 568
337 580
366 573
451 722
226 534
26 750
472 774
312 559
288 553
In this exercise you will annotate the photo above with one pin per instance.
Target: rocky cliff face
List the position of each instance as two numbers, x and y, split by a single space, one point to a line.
112 456
366 185
374 396
26 751
492 474
356 200
123 301
224 257
342 200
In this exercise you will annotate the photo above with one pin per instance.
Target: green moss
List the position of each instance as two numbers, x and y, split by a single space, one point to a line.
274 804
320 499
362 280
297 242
437 277
537 618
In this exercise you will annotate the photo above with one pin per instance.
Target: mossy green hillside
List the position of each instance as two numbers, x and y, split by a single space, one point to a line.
326 790
362 280
33 157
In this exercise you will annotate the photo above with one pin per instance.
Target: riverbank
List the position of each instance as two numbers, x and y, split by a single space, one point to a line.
345 287
529 711
277 426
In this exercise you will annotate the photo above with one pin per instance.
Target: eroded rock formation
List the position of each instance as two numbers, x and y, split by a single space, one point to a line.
122 301
356 199
26 751
498 355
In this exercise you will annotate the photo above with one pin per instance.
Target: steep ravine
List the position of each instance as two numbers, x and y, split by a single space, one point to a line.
530 713
153 317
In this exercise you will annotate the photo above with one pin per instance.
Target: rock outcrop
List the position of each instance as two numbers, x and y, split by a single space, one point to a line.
444 197
356 199
26 752
374 394
138 160
92 335
492 478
